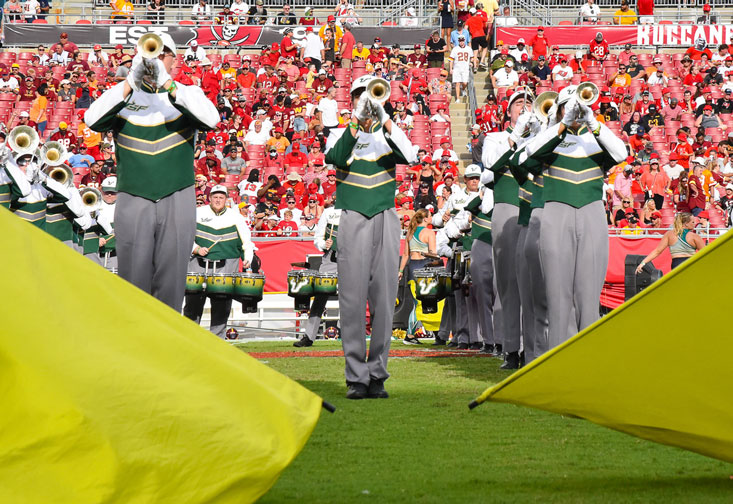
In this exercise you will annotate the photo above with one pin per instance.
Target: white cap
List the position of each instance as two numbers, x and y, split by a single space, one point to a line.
345 111
699 160
205 61
24 114
109 184
472 10
274 217
261 112
219 188
579 54
361 82
194 43
168 42
520 41
475 126
729 186
472 170
509 63
321 72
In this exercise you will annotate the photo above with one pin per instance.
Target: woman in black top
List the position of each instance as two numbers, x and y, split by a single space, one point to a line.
329 46
633 124
156 11
436 48
425 197
445 9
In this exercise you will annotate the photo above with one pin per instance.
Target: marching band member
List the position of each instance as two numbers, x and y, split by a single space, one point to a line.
482 261
497 151
60 219
107 252
444 248
222 238
365 155
325 240
574 237
156 204
13 181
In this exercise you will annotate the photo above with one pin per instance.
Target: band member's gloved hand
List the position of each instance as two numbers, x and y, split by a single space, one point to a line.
160 74
520 127
136 73
588 117
571 112
361 111
552 116
379 112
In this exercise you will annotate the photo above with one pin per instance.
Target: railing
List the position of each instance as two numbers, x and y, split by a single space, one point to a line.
532 9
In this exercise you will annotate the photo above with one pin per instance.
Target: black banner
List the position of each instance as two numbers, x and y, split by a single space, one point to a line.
30 35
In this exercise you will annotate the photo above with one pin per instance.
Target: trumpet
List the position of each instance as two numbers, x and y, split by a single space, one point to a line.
23 140
149 46
91 198
378 90
52 154
587 93
60 173
543 103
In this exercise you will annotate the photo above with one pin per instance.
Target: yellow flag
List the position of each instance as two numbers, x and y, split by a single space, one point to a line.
658 367
107 395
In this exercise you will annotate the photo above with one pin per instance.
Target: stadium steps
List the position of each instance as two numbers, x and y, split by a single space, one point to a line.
460 128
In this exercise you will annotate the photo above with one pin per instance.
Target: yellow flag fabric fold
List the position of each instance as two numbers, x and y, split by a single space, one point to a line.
107 395
658 367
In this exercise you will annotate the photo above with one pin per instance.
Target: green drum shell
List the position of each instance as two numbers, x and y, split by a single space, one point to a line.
326 283
219 285
249 285
195 283
426 284
300 283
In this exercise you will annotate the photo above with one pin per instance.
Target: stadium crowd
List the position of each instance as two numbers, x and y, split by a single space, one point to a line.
277 107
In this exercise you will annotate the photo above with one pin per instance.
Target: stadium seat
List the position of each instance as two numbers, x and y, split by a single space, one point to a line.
83 22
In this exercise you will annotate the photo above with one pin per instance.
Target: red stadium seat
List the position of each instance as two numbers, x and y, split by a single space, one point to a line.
83 21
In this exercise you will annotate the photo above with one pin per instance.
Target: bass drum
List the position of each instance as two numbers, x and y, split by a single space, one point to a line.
427 289
326 284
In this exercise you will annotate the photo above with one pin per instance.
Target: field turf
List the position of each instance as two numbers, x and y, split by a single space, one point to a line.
423 445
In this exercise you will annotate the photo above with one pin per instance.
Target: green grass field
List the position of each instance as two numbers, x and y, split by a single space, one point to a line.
424 445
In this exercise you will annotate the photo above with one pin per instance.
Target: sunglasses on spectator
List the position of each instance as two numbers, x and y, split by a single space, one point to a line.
312 201
626 202
291 202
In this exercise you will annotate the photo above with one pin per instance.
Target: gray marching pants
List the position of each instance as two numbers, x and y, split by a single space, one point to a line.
482 273
466 323
525 298
447 317
505 234
368 267
574 251
537 292
328 265
154 243
108 260
221 308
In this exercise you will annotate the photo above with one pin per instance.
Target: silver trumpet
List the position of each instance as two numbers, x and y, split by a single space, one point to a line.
23 140
587 93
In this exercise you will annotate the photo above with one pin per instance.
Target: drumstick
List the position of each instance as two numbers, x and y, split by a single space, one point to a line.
212 245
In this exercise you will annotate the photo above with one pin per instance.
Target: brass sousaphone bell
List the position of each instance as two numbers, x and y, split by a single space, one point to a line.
53 155
23 140
378 90
91 198
543 103
149 46
587 93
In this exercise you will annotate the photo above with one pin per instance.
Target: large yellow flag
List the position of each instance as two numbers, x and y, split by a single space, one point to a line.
107 395
658 367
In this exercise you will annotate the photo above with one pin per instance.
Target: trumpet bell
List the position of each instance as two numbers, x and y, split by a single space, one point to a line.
91 198
23 140
379 90
52 154
543 103
150 45
587 93
61 174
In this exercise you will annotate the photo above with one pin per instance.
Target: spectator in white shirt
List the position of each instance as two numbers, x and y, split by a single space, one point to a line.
672 169
589 12
440 116
59 56
410 18
31 9
312 47
658 78
8 83
256 136
727 68
98 57
195 51
329 108
506 19
505 76
445 151
239 8
201 11
562 72
518 51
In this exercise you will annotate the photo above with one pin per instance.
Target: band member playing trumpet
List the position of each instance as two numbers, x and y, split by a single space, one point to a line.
155 121
13 182
578 151
365 155
35 189
222 238
325 240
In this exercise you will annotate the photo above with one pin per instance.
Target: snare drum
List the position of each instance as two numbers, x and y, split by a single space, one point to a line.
195 283
219 285
326 284
459 268
445 283
427 289
300 283
466 269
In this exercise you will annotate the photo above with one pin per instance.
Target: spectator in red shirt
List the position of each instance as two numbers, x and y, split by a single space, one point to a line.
268 81
599 48
287 46
322 83
67 45
210 167
346 46
417 58
329 186
645 9
210 81
287 227
683 149
578 65
693 78
539 44
295 159
697 199
695 52
476 26
95 176
294 182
